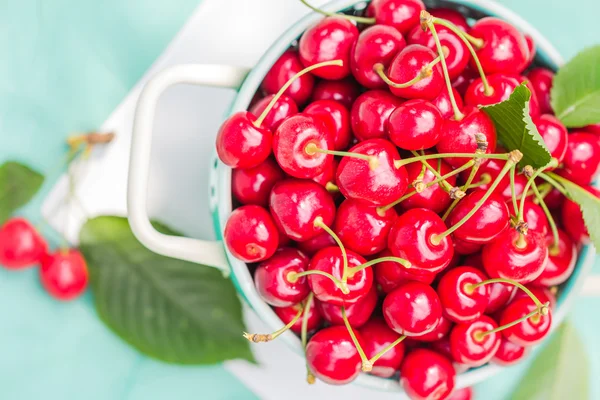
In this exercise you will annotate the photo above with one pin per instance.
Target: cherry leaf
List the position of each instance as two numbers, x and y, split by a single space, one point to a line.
18 185
516 130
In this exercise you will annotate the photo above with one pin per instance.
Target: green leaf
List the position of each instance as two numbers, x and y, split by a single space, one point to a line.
18 185
172 310
559 372
516 130
575 94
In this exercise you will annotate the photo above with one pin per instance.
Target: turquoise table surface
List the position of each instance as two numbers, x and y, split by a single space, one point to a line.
65 66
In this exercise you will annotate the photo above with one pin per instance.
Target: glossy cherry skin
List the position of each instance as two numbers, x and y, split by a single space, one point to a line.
415 125
401 14
534 215
378 44
391 275
571 212
64 274
272 278
465 248
332 356
410 238
311 246
434 197
283 70
441 330
459 136
376 337
283 108
357 313
504 50
250 234
462 394
502 86
336 118
240 144
408 64
344 91
253 185
363 228
20 244
509 353
487 222
465 346
541 81
412 309
443 104
426 374
287 314
370 113
460 302
328 175
377 186
530 331
593 128
332 38
330 260
561 260
555 135
451 15
295 204
531 47
582 158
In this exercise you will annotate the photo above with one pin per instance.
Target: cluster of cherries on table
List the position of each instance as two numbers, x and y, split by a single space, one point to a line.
377 213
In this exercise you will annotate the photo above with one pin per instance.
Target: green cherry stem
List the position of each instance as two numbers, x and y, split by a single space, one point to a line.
293 277
554 248
263 338
308 303
386 349
464 188
360 20
401 163
366 364
447 187
311 149
513 191
425 72
477 42
319 222
544 189
354 270
550 177
332 187
470 288
485 179
532 176
543 310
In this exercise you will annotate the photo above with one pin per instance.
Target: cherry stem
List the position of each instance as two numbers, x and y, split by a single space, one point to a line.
445 184
360 20
551 221
405 263
513 191
293 277
401 163
366 364
471 287
544 189
332 187
485 179
542 310
464 188
319 222
425 72
306 70
386 349
312 148
263 338
553 162
553 179
310 377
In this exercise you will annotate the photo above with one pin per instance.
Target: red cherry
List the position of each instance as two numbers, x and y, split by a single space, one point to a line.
381 185
370 113
296 204
506 258
330 260
344 91
441 330
253 185
21 245
541 81
465 248
460 301
443 104
250 234
426 374
543 294
509 353
284 108
487 222
337 119
332 356
329 39
273 278
391 275
287 314
504 47
328 174
561 260
357 313
535 217
468 347
401 14
377 44
412 309
407 65
571 212
500 294
434 197
555 135
462 82
415 125
582 159
501 86
410 238
593 128
376 337
313 245
240 144
451 15
531 47
530 331
64 274
462 394
282 71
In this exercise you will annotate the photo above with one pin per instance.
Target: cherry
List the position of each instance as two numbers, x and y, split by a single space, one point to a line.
462 82
426 374
443 104
593 128
462 394
434 197
412 309
241 144
468 344
529 331
451 15
441 330
516 256
531 47
253 185
410 238
582 158
337 119
21 245
555 135
331 261
64 274
390 275
357 313
297 205
562 258
331 38
571 212
535 217
377 44
284 107
541 81
461 301
332 356
488 221
465 248
287 314
459 136
381 185
509 353
415 125
344 91
376 337
283 70
490 170
370 113
543 294
274 282
250 234
409 64
504 48
401 14
313 245
554 199
501 86
327 177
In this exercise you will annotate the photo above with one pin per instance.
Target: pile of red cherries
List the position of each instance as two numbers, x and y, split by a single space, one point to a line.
378 215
